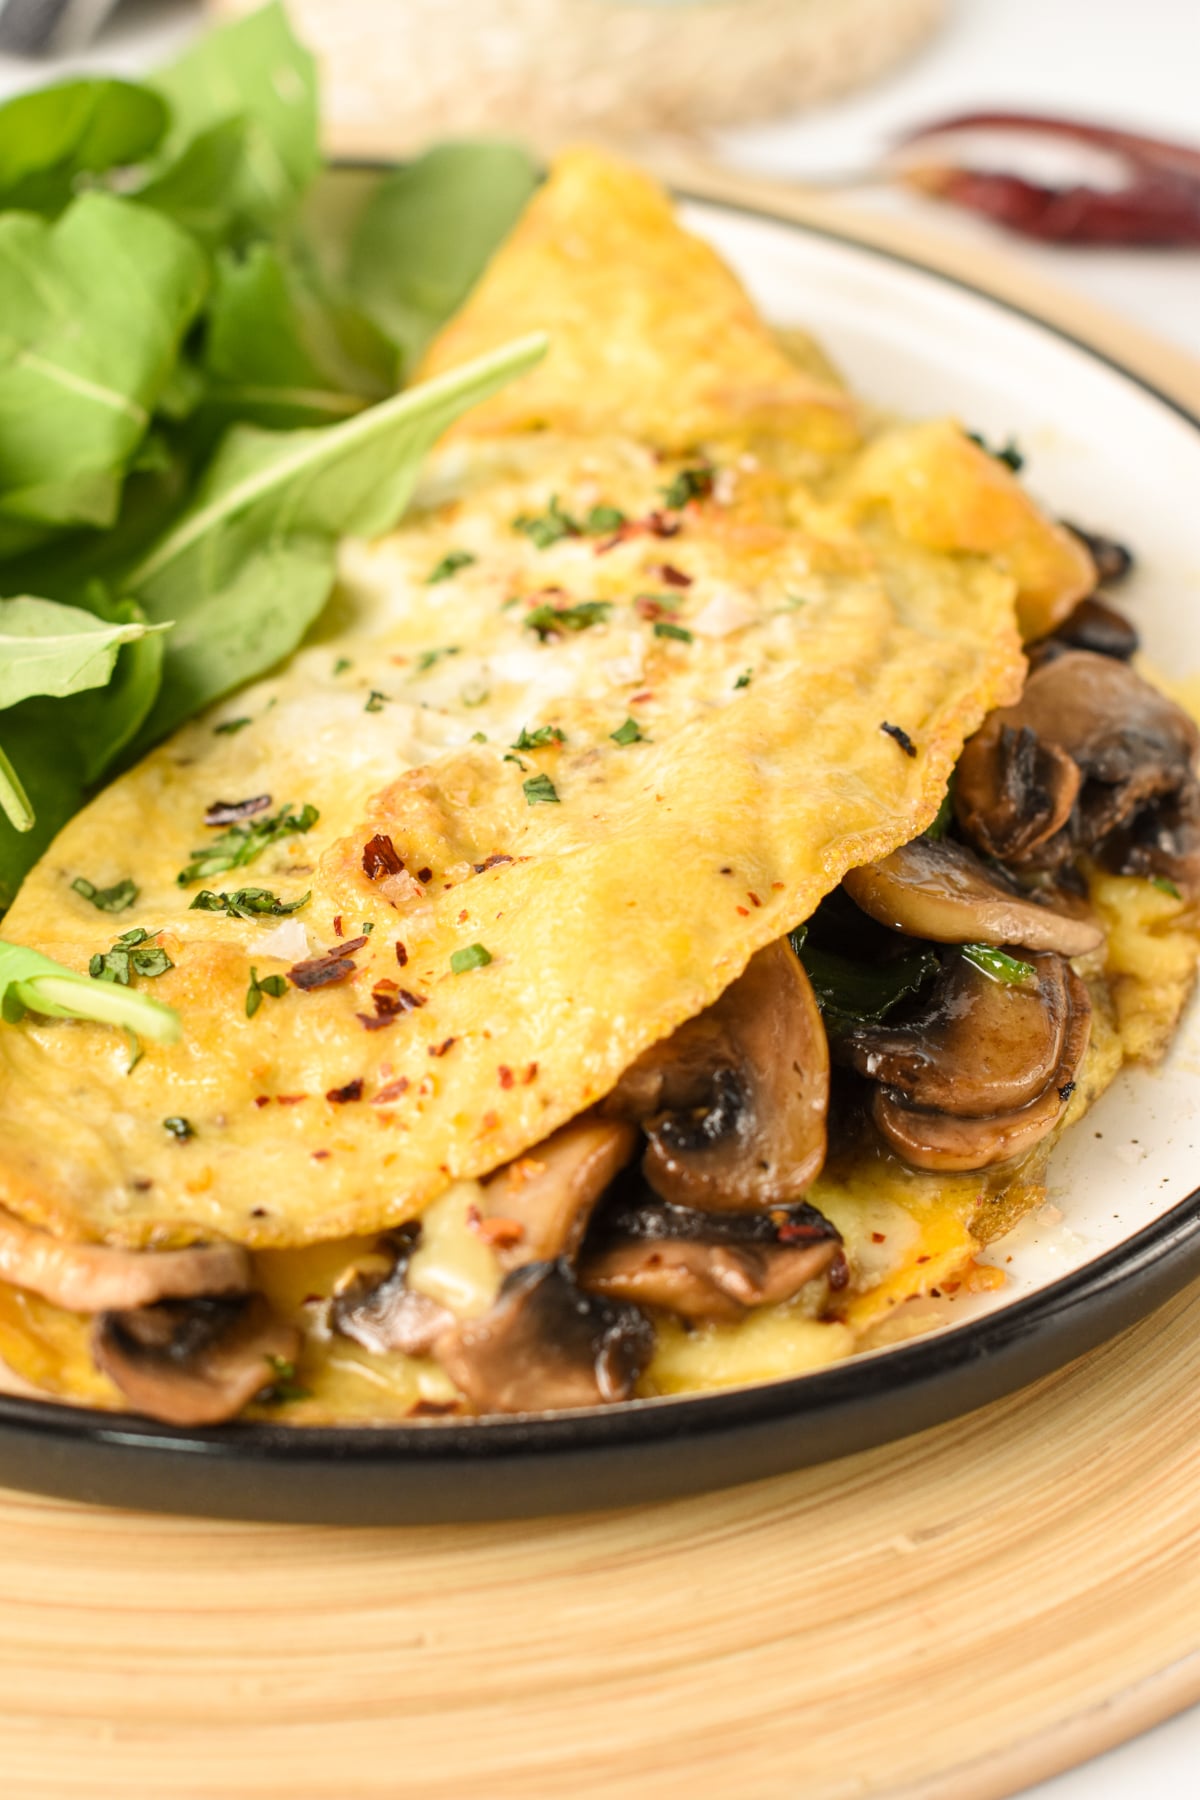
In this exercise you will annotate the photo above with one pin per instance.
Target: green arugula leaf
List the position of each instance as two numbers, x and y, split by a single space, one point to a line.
199 188
51 137
254 73
92 312
281 354
428 230
57 650
31 982
249 563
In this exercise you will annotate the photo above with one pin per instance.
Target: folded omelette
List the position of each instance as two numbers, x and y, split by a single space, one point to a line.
501 1084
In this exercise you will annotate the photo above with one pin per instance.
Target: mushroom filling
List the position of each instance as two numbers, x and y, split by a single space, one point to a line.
1133 751
707 1265
733 1104
545 1345
194 1362
89 1278
373 1304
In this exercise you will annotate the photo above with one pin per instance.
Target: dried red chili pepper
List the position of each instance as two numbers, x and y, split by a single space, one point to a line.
1156 204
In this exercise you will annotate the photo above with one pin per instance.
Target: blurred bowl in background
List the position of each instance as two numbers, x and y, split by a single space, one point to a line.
397 73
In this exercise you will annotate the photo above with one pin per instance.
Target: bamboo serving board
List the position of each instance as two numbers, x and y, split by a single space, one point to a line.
947 1618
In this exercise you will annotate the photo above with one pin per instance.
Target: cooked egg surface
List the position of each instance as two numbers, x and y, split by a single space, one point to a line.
601 720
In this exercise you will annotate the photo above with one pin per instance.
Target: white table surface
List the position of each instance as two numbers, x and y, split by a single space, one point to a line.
1134 63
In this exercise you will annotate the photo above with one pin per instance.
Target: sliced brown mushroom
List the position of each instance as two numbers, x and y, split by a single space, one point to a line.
1094 625
374 1305
1162 841
544 1346
1015 797
978 1046
548 1194
734 1102
194 1362
941 891
88 1278
708 1265
1131 744
1113 560
945 1141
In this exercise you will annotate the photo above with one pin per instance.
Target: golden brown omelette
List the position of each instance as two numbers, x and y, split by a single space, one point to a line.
496 1056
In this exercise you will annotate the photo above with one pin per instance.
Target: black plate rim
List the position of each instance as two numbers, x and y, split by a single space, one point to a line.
848 1405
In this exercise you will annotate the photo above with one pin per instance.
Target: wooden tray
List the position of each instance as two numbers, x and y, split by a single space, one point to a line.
951 1617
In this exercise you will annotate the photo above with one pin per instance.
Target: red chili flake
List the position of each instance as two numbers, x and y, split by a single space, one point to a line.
352 1091
424 874
935 1293
441 1049
879 1237
386 986
289 1099
489 1121
388 1004
463 916
743 911
401 953
490 862
228 812
498 1234
391 1092
647 607
506 1075
376 1021
793 1233
639 699
381 857
337 925
672 576
725 871
432 1409
332 966
777 887
262 1100
922 1259
753 898
410 1002
320 1155
530 1073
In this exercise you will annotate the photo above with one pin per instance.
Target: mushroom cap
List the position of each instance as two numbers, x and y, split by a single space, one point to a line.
977 1047
734 1102
1097 626
1130 743
545 1346
1163 840
374 1305
941 891
193 1362
550 1191
708 1265
1012 792
89 1278
947 1142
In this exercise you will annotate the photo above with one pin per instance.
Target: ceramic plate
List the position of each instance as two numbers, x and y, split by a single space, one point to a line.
1122 1230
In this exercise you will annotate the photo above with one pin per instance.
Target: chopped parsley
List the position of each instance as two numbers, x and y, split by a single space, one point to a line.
509 757
134 953
229 726
274 985
547 620
180 1128
341 665
428 658
479 737
1165 886
451 563
473 957
538 740
248 903
628 733
744 679
695 483
540 791
998 966
243 844
603 519
111 899
663 628
550 527
474 693
944 816
1010 455
375 701
284 1387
